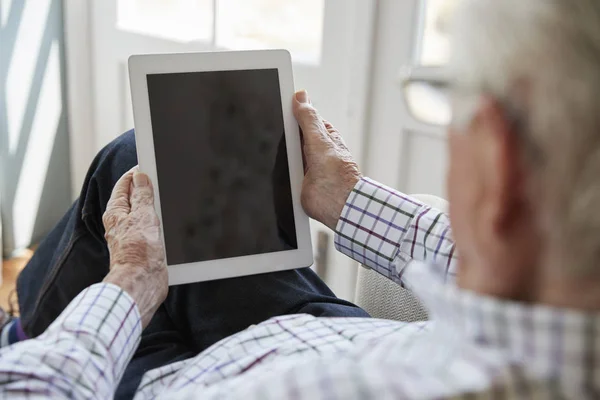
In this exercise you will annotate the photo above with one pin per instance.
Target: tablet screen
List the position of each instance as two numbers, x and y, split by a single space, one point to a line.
222 164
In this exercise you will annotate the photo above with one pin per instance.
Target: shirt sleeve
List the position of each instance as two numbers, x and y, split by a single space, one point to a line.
385 230
83 354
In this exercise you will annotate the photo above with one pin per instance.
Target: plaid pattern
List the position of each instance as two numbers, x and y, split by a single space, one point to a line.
385 230
475 347
83 354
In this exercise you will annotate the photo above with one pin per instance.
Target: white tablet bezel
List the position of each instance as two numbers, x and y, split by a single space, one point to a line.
142 65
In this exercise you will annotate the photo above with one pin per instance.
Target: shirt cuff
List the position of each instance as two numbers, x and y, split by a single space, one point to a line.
103 315
373 224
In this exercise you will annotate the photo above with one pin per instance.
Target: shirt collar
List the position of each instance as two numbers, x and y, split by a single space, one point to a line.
550 341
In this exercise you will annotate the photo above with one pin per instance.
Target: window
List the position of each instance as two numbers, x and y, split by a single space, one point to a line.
435 40
179 20
231 24
260 24
426 102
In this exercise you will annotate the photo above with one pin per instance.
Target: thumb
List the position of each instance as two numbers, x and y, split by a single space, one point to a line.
142 194
308 118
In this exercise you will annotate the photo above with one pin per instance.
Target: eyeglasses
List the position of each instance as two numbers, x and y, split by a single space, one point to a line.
426 93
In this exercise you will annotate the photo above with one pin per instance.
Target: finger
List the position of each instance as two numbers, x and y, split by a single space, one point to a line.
308 118
328 125
142 194
330 128
334 134
119 198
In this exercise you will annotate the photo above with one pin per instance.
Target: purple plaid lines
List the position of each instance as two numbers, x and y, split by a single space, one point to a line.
380 226
83 354
477 347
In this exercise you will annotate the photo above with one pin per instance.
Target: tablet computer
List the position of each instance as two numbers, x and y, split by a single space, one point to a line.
216 134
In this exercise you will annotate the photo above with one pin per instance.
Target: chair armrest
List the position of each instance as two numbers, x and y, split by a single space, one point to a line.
381 297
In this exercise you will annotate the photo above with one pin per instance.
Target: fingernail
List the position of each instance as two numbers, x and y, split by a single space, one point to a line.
140 179
302 96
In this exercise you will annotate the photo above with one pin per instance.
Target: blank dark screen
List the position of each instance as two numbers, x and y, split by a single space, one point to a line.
222 164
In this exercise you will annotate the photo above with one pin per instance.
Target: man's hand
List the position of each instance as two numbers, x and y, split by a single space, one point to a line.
133 235
330 172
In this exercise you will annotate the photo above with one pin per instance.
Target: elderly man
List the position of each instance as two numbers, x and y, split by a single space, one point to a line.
520 319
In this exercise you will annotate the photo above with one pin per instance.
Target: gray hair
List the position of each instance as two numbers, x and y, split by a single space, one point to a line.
541 60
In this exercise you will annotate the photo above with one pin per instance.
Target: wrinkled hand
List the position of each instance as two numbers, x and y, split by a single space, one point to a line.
330 172
133 235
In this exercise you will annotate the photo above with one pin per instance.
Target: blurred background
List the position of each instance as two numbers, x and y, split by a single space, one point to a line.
64 91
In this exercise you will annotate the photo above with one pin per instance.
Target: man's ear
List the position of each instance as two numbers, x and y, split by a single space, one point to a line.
501 165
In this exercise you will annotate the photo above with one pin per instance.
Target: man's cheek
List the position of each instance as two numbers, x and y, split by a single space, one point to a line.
454 169
460 181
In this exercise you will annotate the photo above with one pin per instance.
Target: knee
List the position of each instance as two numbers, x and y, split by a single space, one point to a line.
108 166
116 158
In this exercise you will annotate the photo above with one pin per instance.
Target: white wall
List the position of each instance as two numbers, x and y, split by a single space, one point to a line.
34 164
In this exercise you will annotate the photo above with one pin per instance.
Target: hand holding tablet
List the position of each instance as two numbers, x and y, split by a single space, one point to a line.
330 170
216 134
